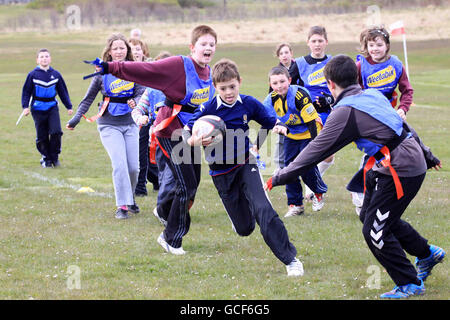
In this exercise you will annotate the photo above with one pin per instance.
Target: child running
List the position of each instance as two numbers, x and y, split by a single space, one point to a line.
186 82
293 107
118 133
285 55
39 94
311 77
233 169
379 70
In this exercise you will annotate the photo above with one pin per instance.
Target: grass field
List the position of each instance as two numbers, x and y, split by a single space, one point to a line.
47 228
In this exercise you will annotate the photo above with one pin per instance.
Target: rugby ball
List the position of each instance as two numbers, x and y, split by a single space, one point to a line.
209 127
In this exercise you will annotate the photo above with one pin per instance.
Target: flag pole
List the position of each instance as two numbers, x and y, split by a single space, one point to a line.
406 55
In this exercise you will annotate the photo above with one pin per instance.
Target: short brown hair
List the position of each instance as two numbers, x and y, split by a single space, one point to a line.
371 34
225 70
106 56
42 50
201 31
278 70
321 31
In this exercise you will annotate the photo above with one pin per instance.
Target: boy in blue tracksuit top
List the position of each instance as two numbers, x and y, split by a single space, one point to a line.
234 170
39 94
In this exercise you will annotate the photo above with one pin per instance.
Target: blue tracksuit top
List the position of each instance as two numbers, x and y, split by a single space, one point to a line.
42 87
234 149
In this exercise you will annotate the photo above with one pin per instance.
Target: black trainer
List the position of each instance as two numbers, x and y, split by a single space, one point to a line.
121 214
45 163
134 209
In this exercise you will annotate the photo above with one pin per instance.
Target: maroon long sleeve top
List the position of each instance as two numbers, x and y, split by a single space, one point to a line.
167 75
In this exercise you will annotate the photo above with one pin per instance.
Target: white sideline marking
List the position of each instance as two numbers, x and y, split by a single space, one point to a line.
62 184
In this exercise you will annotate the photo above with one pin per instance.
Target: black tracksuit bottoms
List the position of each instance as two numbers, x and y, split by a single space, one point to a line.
245 201
388 236
48 133
186 174
147 171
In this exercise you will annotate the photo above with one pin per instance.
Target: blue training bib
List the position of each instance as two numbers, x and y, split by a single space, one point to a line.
198 91
118 88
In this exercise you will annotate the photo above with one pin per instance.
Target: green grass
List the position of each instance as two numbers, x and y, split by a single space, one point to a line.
46 226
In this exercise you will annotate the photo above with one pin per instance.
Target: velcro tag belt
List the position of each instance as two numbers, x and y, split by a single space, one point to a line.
100 113
176 109
386 162
165 123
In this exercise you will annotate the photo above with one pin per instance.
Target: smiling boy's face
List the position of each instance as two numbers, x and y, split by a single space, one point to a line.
43 59
280 84
228 90
203 50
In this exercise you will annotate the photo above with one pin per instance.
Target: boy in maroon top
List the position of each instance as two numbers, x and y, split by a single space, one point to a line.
186 83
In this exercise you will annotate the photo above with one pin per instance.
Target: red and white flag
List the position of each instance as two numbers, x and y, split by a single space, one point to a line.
397 28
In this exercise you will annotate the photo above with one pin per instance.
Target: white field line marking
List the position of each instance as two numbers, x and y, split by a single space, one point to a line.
62 184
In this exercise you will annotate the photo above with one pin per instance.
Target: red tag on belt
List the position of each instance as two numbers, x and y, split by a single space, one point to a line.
386 162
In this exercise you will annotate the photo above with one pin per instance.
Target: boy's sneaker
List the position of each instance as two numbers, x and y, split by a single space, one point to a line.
121 214
155 213
309 197
405 291
424 266
46 163
294 211
56 163
295 268
318 202
162 242
134 209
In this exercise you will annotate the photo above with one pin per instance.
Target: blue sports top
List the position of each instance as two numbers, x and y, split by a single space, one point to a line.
118 88
313 77
233 151
375 104
294 118
382 76
198 91
41 87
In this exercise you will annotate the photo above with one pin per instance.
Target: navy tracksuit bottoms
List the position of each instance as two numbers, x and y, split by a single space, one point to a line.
311 178
245 201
